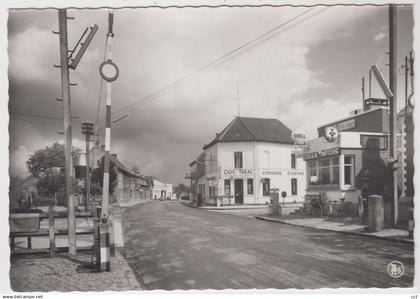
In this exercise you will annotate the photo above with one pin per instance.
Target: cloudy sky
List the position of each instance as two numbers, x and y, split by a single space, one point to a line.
305 73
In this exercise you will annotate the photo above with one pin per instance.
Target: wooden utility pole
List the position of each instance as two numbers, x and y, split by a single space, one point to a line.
65 90
393 101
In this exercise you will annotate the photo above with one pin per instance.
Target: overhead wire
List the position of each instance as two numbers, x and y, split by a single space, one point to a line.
218 60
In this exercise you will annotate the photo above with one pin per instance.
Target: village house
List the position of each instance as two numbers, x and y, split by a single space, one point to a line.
130 186
245 161
161 190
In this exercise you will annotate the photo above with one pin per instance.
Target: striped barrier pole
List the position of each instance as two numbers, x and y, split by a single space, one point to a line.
410 222
104 250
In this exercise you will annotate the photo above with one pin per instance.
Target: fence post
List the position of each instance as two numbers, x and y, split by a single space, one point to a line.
51 230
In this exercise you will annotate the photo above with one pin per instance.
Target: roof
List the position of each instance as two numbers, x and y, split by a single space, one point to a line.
353 116
248 129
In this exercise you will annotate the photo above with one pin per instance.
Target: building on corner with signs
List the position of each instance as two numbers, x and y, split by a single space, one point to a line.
245 161
351 155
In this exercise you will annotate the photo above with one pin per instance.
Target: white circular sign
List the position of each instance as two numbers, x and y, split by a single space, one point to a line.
331 134
109 71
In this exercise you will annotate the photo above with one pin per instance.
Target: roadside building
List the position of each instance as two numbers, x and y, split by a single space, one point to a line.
161 190
130 186
245 161
350 154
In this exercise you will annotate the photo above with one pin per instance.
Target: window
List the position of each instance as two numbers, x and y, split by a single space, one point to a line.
294 186
374 142
227 187
266 187
212 191
324 171
250 186
293 161
348 170
238 159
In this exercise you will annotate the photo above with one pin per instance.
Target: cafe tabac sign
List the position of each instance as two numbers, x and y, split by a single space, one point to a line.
237 171
322 154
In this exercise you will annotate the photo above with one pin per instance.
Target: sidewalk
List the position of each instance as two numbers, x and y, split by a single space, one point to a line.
41 273
339 224
291 206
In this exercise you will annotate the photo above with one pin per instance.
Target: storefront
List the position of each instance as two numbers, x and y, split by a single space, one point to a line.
241 168
350 155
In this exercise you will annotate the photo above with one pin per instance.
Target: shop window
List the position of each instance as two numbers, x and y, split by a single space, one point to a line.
250 186
294 186
374 142
227 187
324 171
266 187
348 170
238 159
293 161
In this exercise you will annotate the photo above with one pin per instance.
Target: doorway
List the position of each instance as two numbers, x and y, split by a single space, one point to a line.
239 191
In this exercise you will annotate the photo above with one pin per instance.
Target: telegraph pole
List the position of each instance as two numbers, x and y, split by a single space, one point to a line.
393 101
363 90
65 90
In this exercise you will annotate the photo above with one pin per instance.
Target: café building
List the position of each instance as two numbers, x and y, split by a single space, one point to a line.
245 161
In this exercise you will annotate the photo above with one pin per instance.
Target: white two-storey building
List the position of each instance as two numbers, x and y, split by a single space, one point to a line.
245 161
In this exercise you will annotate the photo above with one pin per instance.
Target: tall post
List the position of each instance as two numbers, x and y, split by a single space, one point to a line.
393 101
363 90
104 227
87 185
370 84
65 89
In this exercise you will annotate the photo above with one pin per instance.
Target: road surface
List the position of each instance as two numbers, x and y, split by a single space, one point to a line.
171 246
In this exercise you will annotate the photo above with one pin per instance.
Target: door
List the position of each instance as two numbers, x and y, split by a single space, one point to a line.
239 191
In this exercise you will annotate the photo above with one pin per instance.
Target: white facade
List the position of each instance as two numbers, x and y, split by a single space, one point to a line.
262 166
161 190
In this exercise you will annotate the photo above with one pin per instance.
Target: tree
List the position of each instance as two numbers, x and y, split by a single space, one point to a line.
48 165
98 175
181 188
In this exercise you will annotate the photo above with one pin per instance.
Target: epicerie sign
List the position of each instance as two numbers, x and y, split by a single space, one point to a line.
281 172
239 171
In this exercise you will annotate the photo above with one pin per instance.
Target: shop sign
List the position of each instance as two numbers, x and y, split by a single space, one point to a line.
240 171
281 172
299 138
322 154
272 172
346 125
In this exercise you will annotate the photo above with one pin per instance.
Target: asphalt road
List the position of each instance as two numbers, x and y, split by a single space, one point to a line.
171 246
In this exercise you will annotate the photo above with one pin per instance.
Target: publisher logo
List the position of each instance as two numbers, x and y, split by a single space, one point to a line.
395 269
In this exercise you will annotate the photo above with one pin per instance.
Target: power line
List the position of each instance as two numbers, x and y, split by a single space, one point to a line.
201 69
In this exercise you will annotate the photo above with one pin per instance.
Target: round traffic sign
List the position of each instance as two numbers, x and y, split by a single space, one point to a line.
284 194
109 71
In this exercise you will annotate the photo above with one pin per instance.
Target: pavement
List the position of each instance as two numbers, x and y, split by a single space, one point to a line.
42 273
170 246
337 224
340 224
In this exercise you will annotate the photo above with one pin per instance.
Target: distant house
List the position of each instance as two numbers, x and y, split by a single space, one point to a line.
130 187
161 190
245 161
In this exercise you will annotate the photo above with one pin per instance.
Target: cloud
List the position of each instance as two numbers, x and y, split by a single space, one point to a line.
307 115
380 36
18 160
